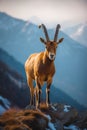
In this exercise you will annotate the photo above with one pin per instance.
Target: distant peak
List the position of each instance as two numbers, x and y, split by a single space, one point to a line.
35 20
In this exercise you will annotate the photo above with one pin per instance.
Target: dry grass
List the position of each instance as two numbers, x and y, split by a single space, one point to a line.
23 120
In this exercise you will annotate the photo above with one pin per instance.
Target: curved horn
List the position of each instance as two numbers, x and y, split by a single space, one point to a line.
45 31
56 33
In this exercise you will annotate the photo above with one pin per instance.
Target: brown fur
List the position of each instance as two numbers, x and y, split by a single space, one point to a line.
23 120
17 127
40 67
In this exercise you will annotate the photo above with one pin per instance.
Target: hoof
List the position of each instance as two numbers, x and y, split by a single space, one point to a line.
48 105
30 107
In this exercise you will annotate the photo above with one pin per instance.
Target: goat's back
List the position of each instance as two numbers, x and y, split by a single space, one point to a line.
29 65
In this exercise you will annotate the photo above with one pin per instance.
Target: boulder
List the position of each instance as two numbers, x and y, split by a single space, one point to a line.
82 120
62 112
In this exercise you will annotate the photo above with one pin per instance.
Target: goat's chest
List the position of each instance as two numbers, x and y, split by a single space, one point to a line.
45 70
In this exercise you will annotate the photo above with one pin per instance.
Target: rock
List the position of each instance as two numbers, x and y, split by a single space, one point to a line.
68 117
1 128
65 113
30 107
54 117
58 125
82 120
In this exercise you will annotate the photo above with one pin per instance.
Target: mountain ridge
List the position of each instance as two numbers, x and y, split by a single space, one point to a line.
78 33
11 62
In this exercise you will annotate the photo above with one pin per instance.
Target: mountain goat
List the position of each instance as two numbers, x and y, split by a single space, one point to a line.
40 67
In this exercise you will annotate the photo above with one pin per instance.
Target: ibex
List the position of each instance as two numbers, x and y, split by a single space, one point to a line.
40 67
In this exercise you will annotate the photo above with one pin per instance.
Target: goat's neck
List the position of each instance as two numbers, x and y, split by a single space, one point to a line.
46 59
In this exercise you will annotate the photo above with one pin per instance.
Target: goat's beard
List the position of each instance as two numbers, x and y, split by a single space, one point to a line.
51 59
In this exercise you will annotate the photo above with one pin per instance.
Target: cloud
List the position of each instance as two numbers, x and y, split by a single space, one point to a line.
49 11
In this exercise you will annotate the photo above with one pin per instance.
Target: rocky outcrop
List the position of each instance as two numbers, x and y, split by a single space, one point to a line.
56 117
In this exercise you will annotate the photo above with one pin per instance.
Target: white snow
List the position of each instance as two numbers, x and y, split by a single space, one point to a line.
66 108
80 35
53 108
51 126
48 116
71 127
78 32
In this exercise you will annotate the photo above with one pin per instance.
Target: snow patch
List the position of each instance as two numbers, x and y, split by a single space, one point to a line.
79 31
48 117
71 127
66 108
51 126
80 35
53 108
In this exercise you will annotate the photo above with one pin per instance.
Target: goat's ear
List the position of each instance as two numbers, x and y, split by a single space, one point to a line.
42 40
60 40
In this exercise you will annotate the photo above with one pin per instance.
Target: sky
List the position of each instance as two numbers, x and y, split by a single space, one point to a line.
49 12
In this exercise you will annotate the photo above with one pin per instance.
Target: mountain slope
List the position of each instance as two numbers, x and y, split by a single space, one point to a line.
11 62
21 38
78 33
12 86
5 104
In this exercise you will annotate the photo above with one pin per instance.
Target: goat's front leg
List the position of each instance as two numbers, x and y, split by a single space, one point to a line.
30 84
49 81
38 92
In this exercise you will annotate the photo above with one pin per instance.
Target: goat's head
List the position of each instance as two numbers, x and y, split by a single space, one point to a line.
51 45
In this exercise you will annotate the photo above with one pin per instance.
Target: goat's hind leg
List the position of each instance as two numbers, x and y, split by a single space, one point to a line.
48 91
30 84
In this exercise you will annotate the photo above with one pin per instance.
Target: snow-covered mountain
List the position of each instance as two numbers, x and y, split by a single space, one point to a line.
78 33
22 38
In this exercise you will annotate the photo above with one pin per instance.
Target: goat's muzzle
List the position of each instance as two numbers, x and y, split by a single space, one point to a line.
52 56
